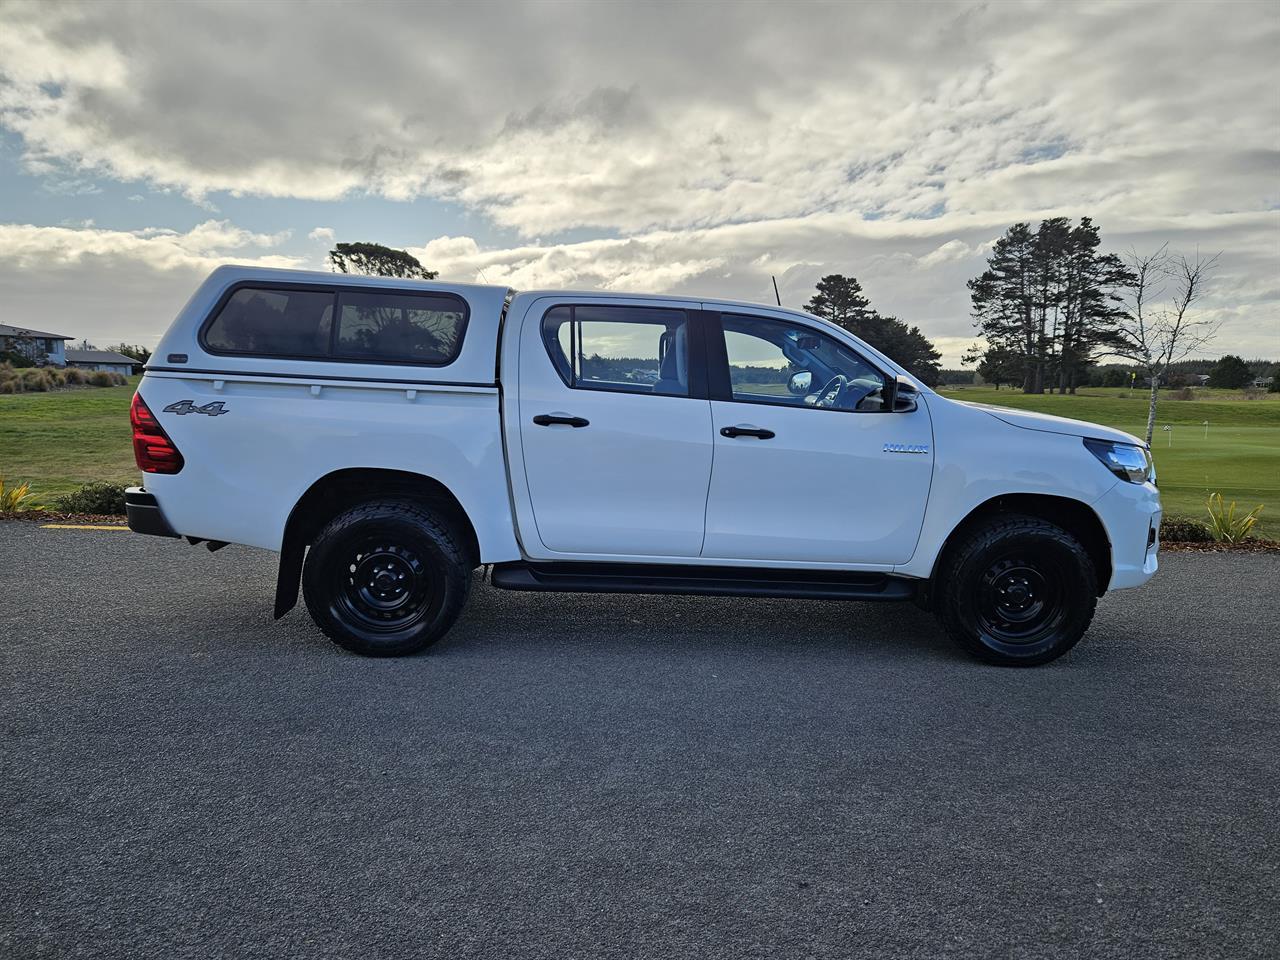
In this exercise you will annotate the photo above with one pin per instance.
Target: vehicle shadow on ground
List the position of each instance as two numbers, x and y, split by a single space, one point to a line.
495 621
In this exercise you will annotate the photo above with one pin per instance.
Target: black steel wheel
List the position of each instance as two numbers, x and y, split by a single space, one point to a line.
1017 591
386 578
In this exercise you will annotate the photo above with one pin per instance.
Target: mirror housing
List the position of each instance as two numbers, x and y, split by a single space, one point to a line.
902 395
800 383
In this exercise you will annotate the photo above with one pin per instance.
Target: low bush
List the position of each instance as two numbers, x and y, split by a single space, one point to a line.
97 497
1183 393
1184 530
17 499
100 378
35 379
1226 525
10 385
74 377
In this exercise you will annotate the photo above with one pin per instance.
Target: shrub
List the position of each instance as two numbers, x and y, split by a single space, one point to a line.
74 377
1225 524
96 497
1182 393
17 499
119 379
1184 530
11 385
36 379
100 378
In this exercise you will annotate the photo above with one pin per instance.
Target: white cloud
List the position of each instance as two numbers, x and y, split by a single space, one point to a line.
113 285
706 146
914 269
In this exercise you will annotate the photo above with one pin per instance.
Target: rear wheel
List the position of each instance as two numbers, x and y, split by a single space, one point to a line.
386 578
1017 591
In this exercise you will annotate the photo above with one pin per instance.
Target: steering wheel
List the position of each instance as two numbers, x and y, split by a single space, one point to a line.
830 393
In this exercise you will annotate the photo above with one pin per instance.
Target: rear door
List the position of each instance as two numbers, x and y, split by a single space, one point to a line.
614 428
809 467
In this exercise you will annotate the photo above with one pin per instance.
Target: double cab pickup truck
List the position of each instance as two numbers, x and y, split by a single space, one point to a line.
390 437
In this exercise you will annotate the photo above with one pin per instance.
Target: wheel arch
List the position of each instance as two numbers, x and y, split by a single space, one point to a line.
342 489
1074 516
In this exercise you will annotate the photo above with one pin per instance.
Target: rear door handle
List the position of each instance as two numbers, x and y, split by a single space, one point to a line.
547 419
745 431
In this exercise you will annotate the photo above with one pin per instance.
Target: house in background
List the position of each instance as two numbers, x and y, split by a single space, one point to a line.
107 360
39 346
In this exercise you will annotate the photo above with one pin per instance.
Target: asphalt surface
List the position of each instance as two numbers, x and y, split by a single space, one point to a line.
572 776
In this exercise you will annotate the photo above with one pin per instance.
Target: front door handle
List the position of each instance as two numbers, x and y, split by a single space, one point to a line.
547 419
745 431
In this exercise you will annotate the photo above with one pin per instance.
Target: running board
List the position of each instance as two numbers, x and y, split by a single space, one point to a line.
704 581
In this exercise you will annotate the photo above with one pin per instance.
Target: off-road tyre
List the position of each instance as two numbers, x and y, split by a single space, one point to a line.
1016 591
386 578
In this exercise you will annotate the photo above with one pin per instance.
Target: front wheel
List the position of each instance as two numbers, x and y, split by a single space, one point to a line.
386 578
1017 591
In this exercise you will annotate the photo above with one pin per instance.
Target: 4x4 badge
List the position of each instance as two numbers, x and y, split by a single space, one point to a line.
214 409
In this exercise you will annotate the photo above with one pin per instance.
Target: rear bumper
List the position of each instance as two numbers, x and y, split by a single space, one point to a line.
145 515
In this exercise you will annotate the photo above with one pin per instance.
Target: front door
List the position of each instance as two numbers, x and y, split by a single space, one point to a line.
808 466
615 428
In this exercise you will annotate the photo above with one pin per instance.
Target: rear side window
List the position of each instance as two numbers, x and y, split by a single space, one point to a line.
273 323
370 326
623 349
412 328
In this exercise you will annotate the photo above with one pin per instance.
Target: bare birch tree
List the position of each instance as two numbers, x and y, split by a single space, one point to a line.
1156 332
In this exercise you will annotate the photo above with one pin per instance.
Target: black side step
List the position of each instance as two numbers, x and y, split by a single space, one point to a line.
705 581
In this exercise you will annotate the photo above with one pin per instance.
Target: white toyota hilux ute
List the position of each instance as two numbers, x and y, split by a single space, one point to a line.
388 437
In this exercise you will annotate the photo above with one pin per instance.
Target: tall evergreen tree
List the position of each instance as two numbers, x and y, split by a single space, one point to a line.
1050 298
840 299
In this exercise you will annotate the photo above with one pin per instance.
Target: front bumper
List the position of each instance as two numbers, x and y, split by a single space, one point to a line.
1131 514
145 515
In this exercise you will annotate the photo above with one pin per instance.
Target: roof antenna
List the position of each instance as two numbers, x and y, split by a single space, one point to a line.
775 289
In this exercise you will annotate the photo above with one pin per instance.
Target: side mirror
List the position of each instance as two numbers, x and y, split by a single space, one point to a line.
904 395
800 383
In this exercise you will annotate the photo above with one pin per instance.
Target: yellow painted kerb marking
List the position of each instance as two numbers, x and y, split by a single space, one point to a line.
80 526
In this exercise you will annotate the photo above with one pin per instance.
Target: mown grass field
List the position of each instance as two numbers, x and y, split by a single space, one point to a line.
61 440
1239 456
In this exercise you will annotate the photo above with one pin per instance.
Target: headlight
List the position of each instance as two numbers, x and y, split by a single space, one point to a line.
1125 460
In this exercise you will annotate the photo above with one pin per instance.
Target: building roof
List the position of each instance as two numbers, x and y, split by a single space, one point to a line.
7 331
97 356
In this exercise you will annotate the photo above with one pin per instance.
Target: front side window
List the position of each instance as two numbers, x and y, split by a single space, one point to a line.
774 361
625 349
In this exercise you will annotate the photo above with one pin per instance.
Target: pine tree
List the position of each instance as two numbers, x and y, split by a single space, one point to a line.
1050 298
840 299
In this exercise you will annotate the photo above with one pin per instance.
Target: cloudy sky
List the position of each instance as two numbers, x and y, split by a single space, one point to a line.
686 147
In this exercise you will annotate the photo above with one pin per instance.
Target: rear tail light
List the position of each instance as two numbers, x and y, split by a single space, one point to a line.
152 447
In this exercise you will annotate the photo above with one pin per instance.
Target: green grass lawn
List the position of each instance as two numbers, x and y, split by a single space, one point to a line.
62 439
1239 458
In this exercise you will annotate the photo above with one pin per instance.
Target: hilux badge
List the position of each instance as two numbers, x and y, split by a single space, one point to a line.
906 448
